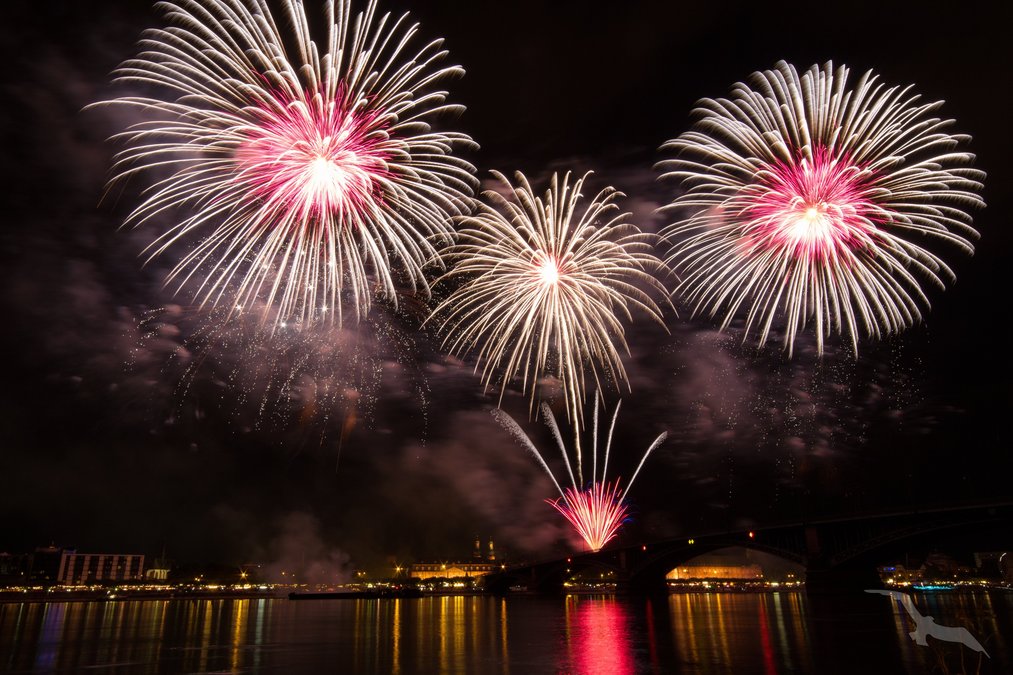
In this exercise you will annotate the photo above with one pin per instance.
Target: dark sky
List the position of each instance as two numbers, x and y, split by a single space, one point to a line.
126 425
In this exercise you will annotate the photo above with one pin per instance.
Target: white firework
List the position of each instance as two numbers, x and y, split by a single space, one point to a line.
807 200
546 285
296 181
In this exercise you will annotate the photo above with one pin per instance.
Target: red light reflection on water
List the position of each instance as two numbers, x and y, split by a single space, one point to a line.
599 631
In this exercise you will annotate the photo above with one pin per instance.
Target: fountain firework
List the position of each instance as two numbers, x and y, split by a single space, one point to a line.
598 510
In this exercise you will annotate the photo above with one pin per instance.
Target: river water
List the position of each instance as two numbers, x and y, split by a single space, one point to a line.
682 633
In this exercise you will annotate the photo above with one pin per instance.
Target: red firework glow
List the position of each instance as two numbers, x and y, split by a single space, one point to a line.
313 159
814 211
596 513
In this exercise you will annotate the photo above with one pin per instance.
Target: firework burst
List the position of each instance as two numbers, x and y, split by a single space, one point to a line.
309 177
598 510
546 286
811 201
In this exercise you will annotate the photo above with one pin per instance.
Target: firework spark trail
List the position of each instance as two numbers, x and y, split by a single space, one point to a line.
810 201
597 511
546 287
305 175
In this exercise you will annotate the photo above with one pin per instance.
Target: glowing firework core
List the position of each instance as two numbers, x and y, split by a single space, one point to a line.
549 271
317 162
815 210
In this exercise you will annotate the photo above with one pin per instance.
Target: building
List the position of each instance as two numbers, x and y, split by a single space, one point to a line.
477 567
99 568
14 568
44 566
450 570
159 571
726 572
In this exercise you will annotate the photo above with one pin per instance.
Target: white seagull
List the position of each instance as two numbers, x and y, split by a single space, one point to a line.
926 625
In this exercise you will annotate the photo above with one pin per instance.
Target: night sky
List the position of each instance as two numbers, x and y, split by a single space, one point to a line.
127 425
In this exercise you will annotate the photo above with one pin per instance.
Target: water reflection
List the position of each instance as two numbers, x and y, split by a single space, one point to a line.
685 633
598 636
713 632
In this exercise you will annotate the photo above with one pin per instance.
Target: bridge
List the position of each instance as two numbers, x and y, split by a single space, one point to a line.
837 553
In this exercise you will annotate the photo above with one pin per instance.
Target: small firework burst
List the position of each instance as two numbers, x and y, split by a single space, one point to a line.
598 510
596 513
302 180
812 202
546 285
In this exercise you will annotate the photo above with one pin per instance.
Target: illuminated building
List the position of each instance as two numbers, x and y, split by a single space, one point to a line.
159 571
686 572
452 570
90 568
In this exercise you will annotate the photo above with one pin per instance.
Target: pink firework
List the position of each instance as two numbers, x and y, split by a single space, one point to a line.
298 185
816 212
322 160
596 513
810 202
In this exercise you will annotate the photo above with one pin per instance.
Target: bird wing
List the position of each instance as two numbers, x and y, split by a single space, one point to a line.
957 634
904 599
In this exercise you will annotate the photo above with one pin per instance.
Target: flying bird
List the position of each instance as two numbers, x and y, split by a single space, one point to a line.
926 625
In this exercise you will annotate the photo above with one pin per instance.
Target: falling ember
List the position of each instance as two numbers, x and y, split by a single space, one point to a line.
809 201
599 510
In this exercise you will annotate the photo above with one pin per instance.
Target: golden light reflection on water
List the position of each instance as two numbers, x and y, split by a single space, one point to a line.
396 638
504 645
695 633
240 608
721 629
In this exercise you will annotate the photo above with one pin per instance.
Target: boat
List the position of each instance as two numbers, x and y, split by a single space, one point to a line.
369 594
